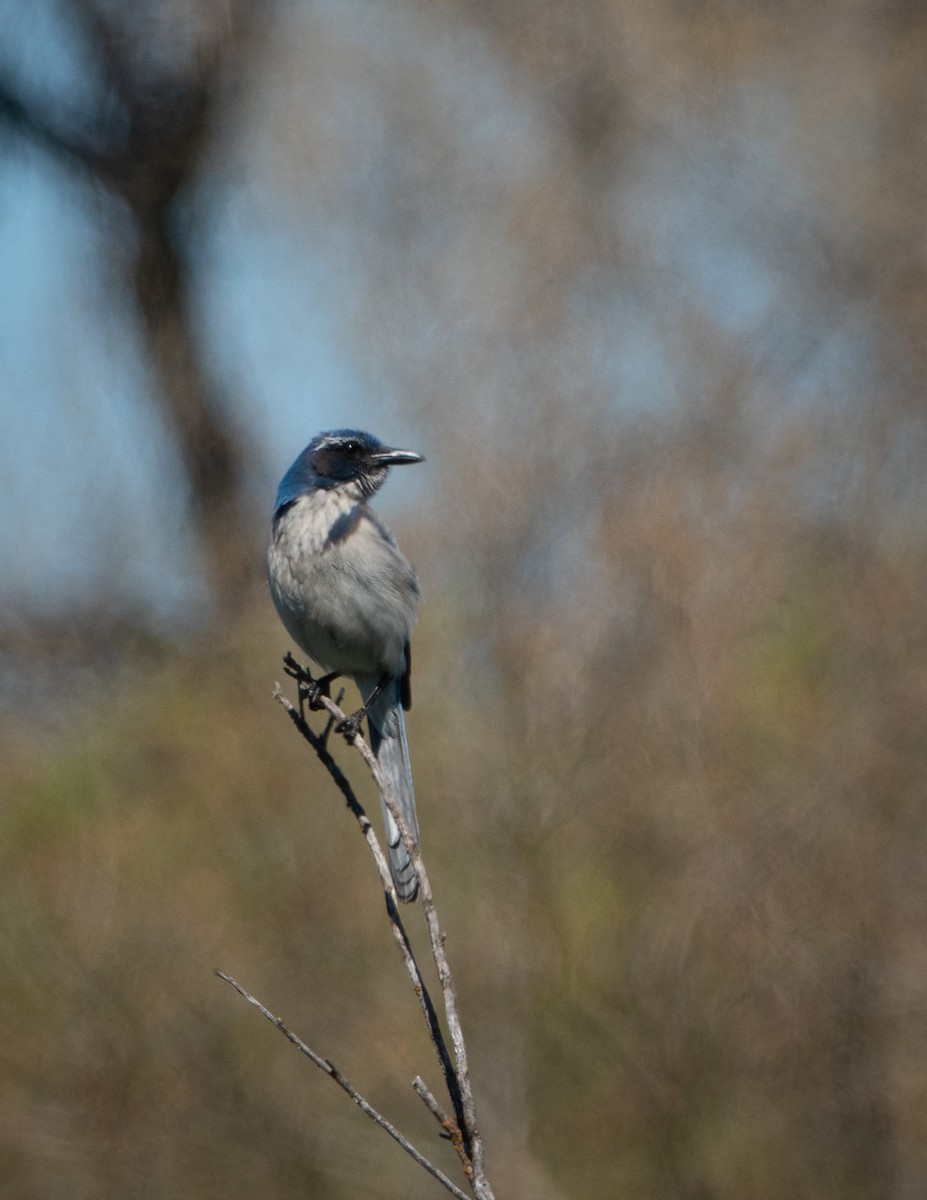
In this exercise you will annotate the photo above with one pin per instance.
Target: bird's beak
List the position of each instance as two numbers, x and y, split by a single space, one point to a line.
395 458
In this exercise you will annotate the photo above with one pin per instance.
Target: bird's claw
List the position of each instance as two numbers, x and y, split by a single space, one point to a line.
310 691
349 728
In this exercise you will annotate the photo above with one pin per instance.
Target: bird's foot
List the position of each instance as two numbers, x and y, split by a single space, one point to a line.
321 687
309 690
349 728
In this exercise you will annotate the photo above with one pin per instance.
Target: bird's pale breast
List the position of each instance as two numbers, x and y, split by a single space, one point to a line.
348 598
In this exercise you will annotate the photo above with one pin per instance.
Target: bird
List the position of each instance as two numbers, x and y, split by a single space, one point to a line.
349 598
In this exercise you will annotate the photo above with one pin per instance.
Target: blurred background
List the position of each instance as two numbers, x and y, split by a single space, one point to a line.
645 281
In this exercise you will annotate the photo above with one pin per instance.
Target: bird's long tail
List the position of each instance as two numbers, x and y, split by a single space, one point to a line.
388 742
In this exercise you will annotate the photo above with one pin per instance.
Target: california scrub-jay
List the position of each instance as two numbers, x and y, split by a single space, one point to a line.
349 598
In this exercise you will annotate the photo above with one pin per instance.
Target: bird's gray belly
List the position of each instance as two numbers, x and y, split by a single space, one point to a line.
343 625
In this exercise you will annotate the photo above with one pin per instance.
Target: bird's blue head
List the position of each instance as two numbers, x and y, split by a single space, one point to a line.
345 458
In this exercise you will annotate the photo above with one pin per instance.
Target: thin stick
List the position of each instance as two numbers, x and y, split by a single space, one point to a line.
464 1105
331 1070
392 908
472 1141
422 1090
459 1083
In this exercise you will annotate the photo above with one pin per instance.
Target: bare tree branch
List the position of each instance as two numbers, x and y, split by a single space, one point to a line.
365 1106
392 909
469 1145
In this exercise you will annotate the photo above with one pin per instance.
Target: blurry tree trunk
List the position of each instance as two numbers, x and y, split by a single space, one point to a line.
212 453
145 150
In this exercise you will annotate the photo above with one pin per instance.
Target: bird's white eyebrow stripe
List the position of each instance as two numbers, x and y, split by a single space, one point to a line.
337 442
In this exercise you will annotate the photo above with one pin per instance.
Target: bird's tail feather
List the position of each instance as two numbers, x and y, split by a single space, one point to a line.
389 745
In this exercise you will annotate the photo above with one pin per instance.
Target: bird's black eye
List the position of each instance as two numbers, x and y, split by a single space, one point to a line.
352 448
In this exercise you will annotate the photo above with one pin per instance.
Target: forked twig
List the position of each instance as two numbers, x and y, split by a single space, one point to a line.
468 1141
392 908
331 1070
461 1129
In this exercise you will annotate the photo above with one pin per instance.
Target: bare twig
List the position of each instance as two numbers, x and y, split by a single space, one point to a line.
424 1093
392 908
470 1147
330 1069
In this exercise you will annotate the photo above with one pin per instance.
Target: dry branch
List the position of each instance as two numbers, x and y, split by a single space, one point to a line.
462 1128
318 743
331 1070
